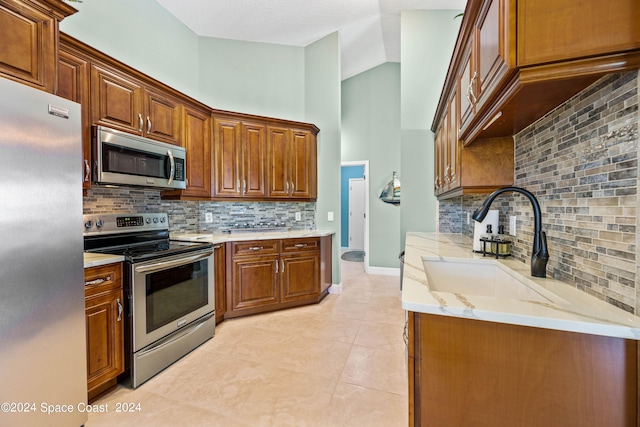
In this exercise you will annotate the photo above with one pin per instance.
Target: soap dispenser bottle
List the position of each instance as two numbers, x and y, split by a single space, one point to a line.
486 239
503 243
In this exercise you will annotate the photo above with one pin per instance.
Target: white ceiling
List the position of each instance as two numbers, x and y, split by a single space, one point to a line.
369 29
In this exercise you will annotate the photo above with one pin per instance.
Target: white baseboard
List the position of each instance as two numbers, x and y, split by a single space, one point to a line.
384 271
335 288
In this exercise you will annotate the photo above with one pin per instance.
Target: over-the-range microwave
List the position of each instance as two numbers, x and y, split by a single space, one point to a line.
120 158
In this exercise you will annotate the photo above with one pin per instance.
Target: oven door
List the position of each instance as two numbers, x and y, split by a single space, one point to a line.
169 294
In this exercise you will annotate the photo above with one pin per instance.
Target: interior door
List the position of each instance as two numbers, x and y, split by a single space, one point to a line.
356 213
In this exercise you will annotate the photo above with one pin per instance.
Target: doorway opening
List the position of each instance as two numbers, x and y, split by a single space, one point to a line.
354 213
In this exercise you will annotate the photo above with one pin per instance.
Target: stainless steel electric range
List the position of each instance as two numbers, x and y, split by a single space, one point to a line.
168 285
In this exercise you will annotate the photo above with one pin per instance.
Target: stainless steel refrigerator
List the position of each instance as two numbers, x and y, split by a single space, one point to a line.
43 374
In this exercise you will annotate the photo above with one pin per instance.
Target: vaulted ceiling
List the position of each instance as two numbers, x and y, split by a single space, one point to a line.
369 29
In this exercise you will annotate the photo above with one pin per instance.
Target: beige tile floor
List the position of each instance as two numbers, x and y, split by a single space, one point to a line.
337 363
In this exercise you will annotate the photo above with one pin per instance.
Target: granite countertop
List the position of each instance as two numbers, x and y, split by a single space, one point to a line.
251 235
568 309
96 260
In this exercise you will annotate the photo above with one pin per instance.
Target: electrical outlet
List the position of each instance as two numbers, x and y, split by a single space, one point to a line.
330 216
298 216
468 218
208 217
512 225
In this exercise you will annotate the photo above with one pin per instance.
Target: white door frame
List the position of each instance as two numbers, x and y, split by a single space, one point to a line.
356 202
364 163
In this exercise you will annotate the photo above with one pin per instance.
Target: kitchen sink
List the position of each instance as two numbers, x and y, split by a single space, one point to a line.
481 277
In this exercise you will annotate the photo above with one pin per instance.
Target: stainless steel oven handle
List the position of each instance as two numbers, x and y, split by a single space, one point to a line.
168 340
172 172
163 265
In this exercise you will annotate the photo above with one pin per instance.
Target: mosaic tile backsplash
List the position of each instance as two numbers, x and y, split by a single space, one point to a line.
189 216
581 162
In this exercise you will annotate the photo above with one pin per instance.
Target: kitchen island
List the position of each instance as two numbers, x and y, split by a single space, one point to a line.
563 358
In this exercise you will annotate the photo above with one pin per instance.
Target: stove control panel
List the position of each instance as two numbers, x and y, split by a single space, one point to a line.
129 221
124 223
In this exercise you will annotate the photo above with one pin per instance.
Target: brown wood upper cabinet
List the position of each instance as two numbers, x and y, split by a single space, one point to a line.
240 150
73 84
257 159
292 163
514 61
121 102
29 41
197 140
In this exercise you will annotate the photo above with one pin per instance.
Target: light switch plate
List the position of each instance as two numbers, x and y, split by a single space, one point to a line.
512 225
298 216
330 216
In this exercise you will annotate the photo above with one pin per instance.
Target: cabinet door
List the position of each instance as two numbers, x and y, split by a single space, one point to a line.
560 30
73 84
227 151
300 275
219 281
196 140
451 167
28 47
254 159
162 117
254 282
278 161
303 154
104 321
495 49
438 160
116 101
466 80
105 332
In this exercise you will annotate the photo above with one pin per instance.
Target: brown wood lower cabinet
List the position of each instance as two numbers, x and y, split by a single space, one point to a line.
219 281
470 372
104 323
267 275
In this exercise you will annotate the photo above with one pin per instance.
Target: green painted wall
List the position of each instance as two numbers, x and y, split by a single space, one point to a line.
322 107
427 42
141 34
371 131
255 78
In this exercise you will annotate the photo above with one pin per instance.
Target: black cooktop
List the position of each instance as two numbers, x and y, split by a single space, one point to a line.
140 246
155 250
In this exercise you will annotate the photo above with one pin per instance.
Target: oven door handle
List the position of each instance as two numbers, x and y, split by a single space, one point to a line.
157 266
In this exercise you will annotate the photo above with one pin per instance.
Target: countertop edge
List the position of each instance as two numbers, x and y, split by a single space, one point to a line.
579 312
96 260
239 237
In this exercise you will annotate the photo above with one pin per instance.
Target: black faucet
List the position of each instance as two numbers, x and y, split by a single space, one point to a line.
539 252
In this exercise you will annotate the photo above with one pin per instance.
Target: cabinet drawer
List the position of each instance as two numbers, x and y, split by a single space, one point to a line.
255 247
297 245
102 278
